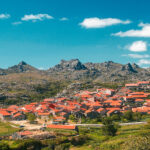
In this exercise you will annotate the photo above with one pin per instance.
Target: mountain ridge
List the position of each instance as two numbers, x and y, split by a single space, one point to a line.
74 69
22 83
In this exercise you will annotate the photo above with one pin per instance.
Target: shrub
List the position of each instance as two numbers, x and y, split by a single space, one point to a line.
147 126
30 145
31 117
109 127
115 117
64 146
4 146
137 143
79 140
128 115
137 116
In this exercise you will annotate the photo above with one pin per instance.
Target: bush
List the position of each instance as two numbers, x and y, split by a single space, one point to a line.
4 146
64 146
79 140
30 145
31 117
128 115
147 126
137 143
73 118
109 127
137 116
115 117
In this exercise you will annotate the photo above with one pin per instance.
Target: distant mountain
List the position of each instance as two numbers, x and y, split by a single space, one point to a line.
22 83
105 72
74 69
72 65
20 68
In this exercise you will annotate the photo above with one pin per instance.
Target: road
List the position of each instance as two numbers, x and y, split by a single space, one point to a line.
100 125
28 126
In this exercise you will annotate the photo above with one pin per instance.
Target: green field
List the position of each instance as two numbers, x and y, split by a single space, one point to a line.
98 141
87 139
7 129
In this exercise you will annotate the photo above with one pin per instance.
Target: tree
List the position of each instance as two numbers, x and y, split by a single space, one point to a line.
109 127
137 116
31 117
30 144
50 117
73 118
4 146
128 115
115 117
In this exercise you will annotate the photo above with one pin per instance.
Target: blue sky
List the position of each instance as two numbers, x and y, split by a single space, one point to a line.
42 32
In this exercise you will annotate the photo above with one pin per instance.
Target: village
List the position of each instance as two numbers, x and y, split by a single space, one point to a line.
56 113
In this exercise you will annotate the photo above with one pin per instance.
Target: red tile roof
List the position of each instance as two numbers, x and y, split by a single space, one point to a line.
131 84
71 127
25 133
16 115
13 107
144 82
5 113
44 114
100 109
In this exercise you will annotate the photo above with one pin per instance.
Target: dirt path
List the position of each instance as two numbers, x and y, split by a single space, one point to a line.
27 126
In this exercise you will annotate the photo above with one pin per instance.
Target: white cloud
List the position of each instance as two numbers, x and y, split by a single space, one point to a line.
4 16
42 68
144 62
64 19
144 32
137 46
36 17
17 23
137 56
101 23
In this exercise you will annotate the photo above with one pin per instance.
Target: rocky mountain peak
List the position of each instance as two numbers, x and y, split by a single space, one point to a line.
135 66
128 67
21 67
109 62
73 64
22 63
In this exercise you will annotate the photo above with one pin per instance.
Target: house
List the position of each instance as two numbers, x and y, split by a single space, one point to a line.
107 92
5 115
143 110
67 127
51 100
115 104
132 86
58 120
101 111
43 115
112 111
91 114
144 84
19 116
129 99
14 107
21 135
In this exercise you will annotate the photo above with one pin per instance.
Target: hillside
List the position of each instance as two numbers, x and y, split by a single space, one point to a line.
23 83
76 70
104 72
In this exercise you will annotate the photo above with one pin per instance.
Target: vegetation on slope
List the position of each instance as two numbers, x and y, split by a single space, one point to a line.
7 128
131 137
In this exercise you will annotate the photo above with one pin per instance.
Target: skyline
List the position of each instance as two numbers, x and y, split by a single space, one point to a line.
43 33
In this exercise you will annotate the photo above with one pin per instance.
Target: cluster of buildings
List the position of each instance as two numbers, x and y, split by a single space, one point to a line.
89 104
144 85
